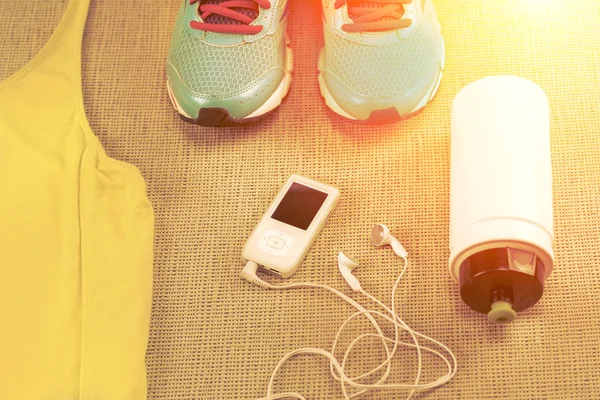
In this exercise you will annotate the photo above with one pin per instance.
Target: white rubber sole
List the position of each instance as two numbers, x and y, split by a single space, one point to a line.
174 101
272 102
334 106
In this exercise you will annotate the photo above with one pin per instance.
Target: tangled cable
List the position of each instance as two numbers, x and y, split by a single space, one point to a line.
337 369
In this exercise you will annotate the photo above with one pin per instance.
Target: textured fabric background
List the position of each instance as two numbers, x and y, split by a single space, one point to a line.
214 336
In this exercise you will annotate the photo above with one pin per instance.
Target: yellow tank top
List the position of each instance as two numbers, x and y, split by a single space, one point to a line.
76 233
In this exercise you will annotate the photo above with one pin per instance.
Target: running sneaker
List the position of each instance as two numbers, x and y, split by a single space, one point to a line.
229 61
383 59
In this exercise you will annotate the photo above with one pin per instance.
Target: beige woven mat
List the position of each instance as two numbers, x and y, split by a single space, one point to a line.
214 336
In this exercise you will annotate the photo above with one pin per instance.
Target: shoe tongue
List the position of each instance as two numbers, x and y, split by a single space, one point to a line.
367 4
219 19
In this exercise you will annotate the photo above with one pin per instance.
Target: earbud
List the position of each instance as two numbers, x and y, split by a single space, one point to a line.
380 236
346 264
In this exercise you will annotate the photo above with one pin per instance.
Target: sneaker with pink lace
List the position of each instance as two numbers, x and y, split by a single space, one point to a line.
229 61
383 59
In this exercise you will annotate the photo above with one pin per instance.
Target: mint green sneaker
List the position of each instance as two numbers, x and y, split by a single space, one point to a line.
229 61
382 61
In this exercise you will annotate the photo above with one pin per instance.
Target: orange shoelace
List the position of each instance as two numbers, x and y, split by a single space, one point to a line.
226 9
375 15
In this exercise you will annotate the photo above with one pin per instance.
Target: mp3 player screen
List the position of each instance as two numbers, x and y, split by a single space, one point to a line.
299 206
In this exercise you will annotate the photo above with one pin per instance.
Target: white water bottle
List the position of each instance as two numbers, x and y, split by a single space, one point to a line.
501 222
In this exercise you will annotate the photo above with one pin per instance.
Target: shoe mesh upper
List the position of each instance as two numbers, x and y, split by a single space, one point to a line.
216 72
382 71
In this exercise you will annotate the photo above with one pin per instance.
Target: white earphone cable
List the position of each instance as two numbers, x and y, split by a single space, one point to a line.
337 369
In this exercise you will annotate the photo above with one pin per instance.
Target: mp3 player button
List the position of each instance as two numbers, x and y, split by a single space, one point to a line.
276 242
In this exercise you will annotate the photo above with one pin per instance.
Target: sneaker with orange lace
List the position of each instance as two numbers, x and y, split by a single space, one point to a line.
229 62
383 59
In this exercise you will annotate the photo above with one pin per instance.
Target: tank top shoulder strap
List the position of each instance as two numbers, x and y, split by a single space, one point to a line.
56 69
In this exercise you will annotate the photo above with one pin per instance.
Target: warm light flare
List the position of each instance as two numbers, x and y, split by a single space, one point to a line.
535 6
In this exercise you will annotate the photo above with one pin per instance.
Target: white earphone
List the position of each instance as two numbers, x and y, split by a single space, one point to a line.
380 236
346 264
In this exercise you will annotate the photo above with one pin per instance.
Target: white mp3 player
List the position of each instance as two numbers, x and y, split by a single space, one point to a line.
290 225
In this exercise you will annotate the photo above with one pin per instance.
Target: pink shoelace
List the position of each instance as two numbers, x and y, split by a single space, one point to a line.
374 15
227 9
